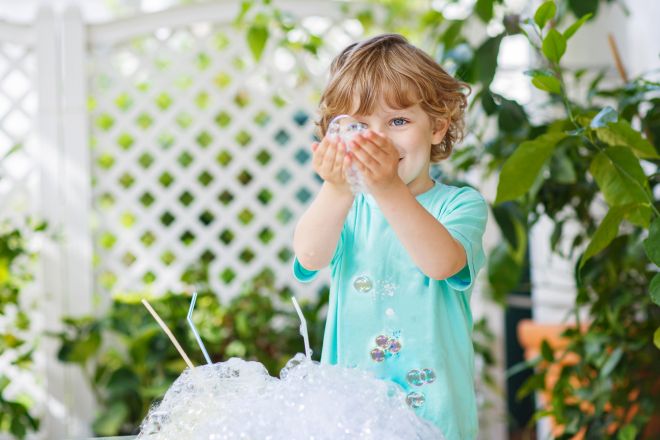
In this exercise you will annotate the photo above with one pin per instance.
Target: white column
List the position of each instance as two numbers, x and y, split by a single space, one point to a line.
77 201
48 149
65 276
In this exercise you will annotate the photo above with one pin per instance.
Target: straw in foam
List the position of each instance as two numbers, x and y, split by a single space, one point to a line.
303 328
168 333
194 329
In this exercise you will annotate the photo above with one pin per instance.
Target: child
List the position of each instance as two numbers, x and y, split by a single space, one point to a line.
403 257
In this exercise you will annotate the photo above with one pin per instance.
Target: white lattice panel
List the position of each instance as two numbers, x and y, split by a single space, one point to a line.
18 171
200 155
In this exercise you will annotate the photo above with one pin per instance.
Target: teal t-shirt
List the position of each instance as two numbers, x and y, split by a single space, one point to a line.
386 316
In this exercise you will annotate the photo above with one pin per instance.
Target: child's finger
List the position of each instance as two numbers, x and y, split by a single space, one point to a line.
319 154
328 160
383 143
339 157
374 150
359 163
362 155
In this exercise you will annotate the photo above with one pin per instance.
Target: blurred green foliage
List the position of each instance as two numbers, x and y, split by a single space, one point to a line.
16 338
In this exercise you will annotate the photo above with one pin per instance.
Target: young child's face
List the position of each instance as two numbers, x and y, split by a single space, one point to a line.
412 132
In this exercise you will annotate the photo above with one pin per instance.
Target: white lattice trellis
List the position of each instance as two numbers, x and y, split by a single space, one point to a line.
201 154
18 171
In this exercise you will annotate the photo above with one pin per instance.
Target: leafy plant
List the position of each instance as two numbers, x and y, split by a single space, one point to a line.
130 362
592 168
17 340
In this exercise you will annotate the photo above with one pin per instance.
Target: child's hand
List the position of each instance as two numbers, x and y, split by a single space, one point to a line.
377 159
331 162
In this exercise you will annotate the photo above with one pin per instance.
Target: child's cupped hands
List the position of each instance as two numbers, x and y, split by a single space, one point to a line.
376 157
331 162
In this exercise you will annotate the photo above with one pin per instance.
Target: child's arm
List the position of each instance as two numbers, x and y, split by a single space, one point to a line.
430 245
428 242
317 232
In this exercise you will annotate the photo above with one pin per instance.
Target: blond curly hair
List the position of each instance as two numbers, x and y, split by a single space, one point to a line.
388 66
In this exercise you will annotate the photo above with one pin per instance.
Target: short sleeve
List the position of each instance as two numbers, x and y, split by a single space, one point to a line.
465 216
305 275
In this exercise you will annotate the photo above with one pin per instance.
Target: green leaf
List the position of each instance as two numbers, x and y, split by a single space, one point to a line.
654 289
81 349
452 32
109 423
604 117
547 84
656 337
628 432
484 62
484 9
611 362
245 7
257 37
640 215
582 7
522 366
533 383
504 272
652 243
554 45
522 168
511 117
572 29
620 176
123 381
545 13
606 232
546 351
512 223
562 169
622 133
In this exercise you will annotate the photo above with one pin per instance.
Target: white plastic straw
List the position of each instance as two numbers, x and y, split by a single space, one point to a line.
303 329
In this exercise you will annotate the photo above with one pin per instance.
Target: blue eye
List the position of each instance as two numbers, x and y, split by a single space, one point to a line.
398 122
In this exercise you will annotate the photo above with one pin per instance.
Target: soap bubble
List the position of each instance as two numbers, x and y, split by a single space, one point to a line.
429 375
414 377
345 127
394 345
382 341
363 284
239 399
415 399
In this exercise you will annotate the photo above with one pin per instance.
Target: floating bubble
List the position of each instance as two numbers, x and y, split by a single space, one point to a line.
414 377
382 341
394 346
415 399
363 284
428 375
378 355
389 312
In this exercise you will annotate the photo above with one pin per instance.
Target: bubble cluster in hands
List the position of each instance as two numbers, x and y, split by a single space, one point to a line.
345 128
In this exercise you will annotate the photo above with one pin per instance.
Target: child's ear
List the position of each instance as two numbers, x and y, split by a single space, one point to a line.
439 131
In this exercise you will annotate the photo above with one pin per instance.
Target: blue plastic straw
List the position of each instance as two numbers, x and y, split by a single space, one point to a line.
194 329
303 329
